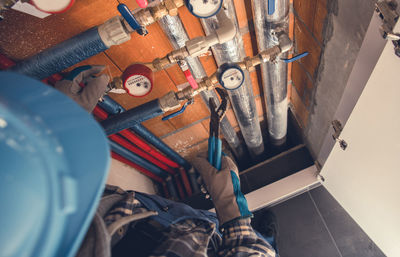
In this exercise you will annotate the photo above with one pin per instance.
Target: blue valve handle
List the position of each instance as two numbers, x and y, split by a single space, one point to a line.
128 16
172 115
271 7
295 58
215 152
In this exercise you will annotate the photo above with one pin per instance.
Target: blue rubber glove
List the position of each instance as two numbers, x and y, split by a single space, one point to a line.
93 86
224 189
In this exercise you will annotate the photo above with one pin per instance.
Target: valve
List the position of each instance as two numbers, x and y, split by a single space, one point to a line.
142 3
188 74
131 20
172 115
204 8
137 80
295 58
230 76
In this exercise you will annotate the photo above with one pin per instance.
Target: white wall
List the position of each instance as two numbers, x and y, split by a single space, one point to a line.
129 178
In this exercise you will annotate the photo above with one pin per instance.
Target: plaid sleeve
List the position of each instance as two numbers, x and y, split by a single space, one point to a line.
239 239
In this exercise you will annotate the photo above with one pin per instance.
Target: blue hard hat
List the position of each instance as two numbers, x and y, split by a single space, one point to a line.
54 162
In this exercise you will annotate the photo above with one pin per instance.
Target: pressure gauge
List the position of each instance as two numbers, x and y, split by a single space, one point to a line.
231 76
53 6
204 8
137 80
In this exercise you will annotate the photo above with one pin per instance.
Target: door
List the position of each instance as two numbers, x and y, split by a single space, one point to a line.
365 177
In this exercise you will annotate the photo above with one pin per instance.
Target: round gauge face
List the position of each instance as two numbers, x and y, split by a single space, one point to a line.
138 85
204 8
232 78
53 6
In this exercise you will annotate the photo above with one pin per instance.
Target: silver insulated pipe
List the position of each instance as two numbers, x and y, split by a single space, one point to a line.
173 28
274 74
242 99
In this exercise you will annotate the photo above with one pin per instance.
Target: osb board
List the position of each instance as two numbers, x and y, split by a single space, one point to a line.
22 35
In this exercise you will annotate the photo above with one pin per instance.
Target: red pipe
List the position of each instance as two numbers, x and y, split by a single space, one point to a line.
137 167
140 143
121 141
98 112
5 62
137 140
185 181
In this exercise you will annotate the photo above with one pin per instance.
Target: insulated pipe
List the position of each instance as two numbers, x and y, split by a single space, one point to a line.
174 30
74 50
143 151
121 141
199 45
143 163
137 159
274 74
110 105
132 117
242 99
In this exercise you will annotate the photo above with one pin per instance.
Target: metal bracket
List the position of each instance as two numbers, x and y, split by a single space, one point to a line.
386 10
337 127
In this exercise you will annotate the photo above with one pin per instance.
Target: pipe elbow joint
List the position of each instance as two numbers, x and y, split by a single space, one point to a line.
199 45
285 43
227 29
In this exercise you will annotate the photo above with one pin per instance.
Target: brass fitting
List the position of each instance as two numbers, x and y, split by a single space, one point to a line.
159 64
144 17
152 14
171 7
169 102
177 55
185 94
269 54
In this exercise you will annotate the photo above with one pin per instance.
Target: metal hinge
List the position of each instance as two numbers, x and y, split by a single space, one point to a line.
337 127
386 10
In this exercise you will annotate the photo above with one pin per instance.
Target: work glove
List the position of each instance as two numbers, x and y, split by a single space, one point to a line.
83 86
224 189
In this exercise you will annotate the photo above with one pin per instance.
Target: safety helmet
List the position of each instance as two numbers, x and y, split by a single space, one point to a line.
54 161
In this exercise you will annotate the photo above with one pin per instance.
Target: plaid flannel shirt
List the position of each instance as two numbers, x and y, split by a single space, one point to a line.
192 237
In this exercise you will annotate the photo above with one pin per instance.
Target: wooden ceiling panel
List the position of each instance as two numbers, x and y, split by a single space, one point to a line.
191 23
159 127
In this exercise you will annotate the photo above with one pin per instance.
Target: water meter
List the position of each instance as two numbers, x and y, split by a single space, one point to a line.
137 80
204 8
52 6
230 76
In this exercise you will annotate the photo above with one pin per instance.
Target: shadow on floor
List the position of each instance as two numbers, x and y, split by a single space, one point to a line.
313 224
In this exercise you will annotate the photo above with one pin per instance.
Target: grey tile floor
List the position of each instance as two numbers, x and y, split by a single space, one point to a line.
313 224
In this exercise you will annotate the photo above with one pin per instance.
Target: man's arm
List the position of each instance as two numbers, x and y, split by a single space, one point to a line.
239 238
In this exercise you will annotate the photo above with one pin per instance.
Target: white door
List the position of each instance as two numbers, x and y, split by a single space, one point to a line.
365 178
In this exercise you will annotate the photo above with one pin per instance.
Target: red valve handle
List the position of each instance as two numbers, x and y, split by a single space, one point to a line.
190 79
142 3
